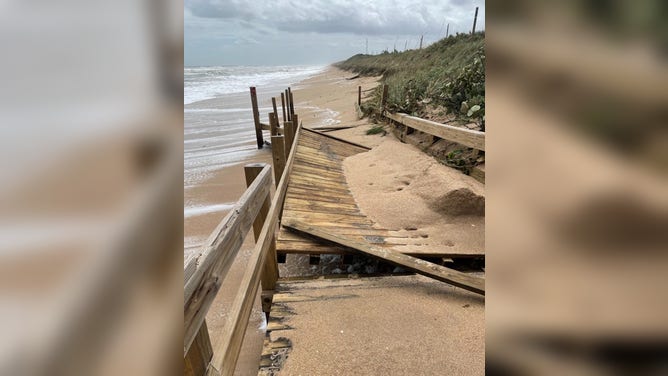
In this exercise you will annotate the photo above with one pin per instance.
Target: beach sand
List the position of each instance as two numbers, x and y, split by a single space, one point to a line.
328 99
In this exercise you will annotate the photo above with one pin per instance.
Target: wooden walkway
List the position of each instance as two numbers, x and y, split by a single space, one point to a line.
318 194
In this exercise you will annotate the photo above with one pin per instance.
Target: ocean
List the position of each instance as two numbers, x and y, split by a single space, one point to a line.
218 122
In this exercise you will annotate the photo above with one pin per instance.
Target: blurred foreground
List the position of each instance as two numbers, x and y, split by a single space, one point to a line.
91 187
577 210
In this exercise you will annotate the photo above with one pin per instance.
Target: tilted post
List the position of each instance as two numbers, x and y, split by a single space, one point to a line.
475 20
359 96
273 104
256 118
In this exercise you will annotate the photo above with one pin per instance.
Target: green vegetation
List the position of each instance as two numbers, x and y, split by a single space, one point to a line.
376 129
448 77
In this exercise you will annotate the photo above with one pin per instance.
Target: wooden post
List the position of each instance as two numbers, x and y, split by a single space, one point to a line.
278 153
283 107
289 133
447 31
273 103
421 36
292 105
273 123
475 20
383 99
287 105
256 118
359 96
270 272
295 120
199 354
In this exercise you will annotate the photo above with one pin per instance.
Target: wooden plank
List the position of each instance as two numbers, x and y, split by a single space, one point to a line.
199 354
364 148
256 118
478 173
224 361
466 137
218 254
440 273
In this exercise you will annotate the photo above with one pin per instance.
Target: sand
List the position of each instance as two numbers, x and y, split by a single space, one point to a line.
401 188
423 205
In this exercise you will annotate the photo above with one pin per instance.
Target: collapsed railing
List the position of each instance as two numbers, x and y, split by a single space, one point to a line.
466 137
205 271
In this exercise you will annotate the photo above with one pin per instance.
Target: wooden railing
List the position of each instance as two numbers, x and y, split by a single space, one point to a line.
205 271
466 137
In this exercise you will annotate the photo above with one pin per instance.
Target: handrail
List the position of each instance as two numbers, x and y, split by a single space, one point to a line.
466 137
225 359
217 255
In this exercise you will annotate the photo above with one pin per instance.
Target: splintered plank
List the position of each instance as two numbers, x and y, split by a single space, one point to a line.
428 269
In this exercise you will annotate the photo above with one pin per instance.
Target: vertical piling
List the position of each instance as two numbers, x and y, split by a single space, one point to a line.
273 124
289 134
287 104
256 118
383 99
273 104
295 121
278 154
359 96
292 105
283 107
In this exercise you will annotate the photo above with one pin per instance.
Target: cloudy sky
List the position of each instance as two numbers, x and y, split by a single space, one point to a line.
284 32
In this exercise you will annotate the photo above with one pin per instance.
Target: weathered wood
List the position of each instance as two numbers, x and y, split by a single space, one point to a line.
256 118
224 361
270 274
289 133
475 20
200 353
478 173
292 105
283 107
295 119
273 124
278 154
287 105
273 104
425 268
466 137
218 253
338 139
383 99
359 96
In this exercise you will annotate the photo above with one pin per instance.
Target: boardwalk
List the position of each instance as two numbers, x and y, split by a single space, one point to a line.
319 195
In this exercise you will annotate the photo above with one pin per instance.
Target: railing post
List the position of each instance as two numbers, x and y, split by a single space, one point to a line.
283 107
256 118
287 104
270 271
199 354
295 120
383 99
292 104
273 104
273 124
278 153
289 133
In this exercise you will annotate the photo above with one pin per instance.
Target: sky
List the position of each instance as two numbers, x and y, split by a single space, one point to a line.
300 32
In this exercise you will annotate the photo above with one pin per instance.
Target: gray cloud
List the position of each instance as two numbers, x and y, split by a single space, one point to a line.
390 17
